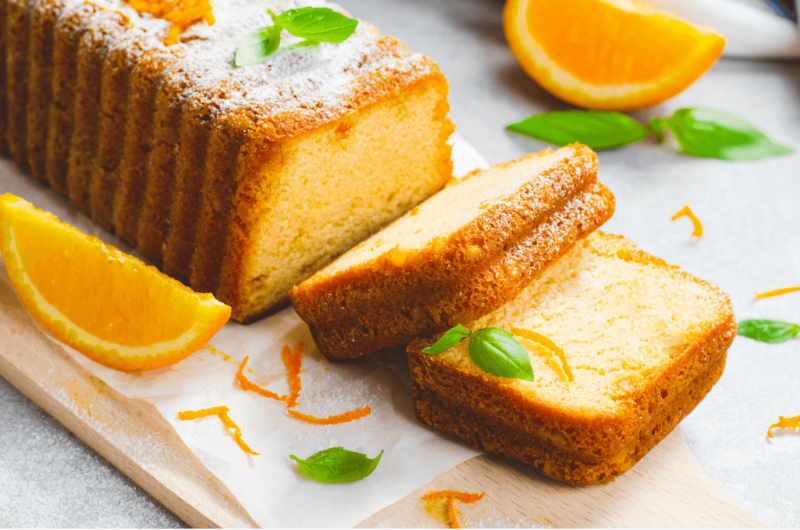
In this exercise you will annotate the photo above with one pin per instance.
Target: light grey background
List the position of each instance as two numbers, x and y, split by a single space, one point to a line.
750 211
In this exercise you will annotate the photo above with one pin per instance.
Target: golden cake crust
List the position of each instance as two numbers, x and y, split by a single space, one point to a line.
362 307
558 423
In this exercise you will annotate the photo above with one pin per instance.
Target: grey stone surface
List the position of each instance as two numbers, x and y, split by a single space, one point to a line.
751 214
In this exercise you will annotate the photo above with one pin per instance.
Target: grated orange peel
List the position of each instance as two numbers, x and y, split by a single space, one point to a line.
293 361
100 301
687 212
549 344
784 423
777 292
222 413
246 384
451 496
608 54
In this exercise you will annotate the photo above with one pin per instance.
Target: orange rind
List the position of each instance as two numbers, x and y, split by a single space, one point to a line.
608 54
100 301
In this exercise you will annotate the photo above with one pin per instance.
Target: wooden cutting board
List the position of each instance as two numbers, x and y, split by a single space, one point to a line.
666 489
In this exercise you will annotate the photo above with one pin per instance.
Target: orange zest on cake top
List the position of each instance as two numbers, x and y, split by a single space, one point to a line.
784 423
222 413
778 292
687 212
549 344
181 13
246 384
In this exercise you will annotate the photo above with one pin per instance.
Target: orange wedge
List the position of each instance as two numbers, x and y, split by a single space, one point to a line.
104 303
608 54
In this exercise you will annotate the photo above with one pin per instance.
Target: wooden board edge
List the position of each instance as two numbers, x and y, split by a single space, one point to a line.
92 410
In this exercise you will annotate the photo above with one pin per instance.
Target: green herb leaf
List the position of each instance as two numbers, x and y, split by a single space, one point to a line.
257 46
766 330
598 129
318 24
336 465
448 340
716 134
497 352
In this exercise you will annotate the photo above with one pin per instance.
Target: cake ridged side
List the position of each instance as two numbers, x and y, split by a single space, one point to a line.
222 169
18 39
134 177
68 33
92 51
40 74
3 78
154 223
190 172
113 104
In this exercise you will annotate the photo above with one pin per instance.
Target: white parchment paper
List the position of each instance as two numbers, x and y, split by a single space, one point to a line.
267 485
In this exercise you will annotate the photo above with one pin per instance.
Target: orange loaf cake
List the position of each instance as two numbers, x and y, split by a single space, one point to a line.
463 253
642 344
238 181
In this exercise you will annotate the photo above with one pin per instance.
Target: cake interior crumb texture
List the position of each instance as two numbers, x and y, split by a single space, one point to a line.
237 181
459 255
644 341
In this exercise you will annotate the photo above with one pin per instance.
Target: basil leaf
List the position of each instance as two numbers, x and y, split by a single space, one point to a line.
448 340
318 24
335 465
597 129
766 330
257 46
715 134
497 352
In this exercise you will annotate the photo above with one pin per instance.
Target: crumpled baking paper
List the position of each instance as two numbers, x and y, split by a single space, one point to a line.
267 485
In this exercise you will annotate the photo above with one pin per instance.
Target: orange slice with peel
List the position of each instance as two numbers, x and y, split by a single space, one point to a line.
608 54
104 303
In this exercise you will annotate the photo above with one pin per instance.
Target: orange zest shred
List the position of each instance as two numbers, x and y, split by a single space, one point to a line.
687 212
547 343
451 513
222 413
778 292
293 360
451 497
332 420
246 384
182 14
466 498
784 423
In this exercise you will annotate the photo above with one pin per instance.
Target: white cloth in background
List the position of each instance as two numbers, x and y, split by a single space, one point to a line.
748 31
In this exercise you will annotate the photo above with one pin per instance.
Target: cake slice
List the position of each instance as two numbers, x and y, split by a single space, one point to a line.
461 254
642 341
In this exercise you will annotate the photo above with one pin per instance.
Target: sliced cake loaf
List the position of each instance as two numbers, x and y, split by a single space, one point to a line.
642 344
238 181
459 255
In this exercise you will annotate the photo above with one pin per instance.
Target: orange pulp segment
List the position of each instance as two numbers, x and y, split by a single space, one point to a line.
608 54
100 301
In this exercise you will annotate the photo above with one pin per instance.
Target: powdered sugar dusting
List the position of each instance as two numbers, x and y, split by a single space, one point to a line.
318 81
